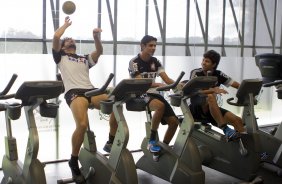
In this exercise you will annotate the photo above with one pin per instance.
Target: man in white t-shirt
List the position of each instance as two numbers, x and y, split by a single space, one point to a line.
74 69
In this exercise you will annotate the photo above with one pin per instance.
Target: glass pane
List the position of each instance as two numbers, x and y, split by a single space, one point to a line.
23 47
20 19
278 35
248 52
231 33
175 50
232 52
158 51
197 51
262 35
131 21
249 22
106 24
215 22
85 48
49 20
154 27
2 47
176 30
87 11
79 30
108 49
261 50
195 32
128 49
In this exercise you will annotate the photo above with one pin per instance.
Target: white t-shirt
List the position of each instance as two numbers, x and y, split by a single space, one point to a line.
74 70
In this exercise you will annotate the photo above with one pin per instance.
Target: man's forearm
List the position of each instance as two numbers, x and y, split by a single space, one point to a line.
60 31
98 44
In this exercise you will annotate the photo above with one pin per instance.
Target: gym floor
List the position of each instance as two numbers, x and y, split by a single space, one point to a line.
61 170
55 171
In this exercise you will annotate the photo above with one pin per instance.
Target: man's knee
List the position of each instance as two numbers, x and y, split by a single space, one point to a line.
82 126
238 120
172 122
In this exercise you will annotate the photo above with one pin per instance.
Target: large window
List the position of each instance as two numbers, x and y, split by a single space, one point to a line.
231 27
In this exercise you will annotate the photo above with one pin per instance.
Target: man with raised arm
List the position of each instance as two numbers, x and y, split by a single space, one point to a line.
74 69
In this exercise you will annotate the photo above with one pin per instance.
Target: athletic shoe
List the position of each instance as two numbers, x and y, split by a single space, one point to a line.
232 135
108 147
76 174
153 147
263 156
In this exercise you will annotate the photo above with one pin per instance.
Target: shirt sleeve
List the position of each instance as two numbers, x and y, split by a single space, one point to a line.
225 79
91 62
160 67
133 69
193 74
56 56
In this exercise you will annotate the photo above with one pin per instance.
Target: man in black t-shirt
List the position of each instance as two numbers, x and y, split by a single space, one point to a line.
144 65
210 111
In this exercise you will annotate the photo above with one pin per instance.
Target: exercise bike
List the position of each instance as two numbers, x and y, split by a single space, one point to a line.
240 158
120 167
270 66
180 163
32 95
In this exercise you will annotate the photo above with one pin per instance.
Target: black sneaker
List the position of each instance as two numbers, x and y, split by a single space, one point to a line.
108 147
76 174
264 156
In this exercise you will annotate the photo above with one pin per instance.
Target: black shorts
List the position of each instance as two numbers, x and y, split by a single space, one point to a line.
168 110
73 93
199 115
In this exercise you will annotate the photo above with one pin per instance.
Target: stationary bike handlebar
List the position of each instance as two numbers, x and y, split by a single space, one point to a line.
8 87
101 90
272 83
173 85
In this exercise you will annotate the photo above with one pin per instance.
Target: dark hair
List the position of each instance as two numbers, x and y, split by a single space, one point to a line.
64 40
213 56
147 38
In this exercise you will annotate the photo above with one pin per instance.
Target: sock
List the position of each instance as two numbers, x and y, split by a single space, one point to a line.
111 139
153 135
226 129
73 163
74 160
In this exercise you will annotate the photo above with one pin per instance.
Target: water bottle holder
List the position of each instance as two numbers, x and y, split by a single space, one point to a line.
14 111
175 100
48 110
136 104
106 106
